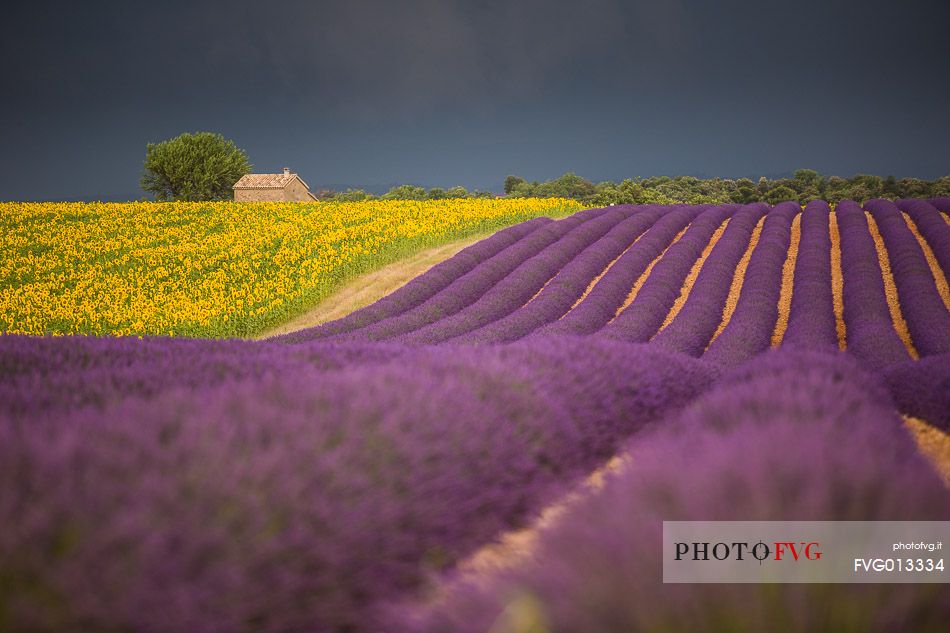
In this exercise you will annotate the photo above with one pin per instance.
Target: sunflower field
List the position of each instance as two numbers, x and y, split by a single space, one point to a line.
218 269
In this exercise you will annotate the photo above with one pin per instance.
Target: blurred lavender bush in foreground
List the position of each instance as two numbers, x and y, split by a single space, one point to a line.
229 487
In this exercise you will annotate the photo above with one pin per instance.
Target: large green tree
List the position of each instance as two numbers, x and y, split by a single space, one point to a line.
193 167
511 182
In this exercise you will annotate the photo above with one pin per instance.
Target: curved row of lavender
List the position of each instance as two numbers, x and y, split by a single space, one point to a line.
518 288
811 319
694 326
869 326
607 296
818 439
313 482
749 331
927 317
567 286
643 317
931 226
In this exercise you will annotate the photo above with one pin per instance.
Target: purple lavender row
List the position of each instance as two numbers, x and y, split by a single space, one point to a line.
606 297
642 318
50 375
469 287
870 330
331 490
521 285
424 286
922 388
811 319
558 295
932 227
943 204
799 438
749 331
927 317
697 321
611 389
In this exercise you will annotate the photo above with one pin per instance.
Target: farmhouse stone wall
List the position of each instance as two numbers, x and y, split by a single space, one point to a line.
295 191
258 195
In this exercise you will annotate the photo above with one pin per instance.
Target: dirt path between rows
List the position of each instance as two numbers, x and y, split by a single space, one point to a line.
933 443
514 548
371 287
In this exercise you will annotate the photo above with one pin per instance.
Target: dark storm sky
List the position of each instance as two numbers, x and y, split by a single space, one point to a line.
442 92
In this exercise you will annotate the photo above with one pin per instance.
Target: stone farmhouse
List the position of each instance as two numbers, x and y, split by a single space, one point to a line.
285 187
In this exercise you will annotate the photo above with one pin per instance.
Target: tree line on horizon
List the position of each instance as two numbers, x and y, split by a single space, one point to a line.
804 186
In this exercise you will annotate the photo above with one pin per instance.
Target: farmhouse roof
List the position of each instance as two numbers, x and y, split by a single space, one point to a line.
267 181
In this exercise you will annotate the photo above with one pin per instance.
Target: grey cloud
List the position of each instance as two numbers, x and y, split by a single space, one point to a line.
373 56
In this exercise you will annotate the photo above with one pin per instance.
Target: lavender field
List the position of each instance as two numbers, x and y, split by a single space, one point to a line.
746 362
